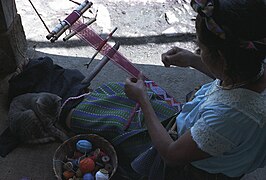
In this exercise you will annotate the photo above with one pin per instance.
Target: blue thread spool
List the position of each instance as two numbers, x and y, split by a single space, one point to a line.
84 146
88 176
75 163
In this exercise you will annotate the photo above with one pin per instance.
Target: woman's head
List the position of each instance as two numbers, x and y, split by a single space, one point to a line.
226 29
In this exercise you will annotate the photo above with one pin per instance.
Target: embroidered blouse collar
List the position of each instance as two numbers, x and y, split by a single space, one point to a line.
246 101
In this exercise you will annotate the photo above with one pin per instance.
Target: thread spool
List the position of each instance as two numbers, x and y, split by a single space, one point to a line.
68 174
75 163
84 146
102 174
86 165
88 176
105 159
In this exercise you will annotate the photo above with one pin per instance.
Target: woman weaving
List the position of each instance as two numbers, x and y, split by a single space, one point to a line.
222 131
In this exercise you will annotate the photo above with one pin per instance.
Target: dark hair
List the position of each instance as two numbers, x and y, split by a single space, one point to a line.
241 20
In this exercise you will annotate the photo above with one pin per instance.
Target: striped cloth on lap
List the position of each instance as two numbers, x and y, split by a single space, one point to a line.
106 111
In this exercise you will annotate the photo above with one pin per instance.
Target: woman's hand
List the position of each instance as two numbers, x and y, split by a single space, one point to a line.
177 57
135 89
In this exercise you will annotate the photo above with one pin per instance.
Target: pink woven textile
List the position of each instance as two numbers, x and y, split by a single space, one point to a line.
93 39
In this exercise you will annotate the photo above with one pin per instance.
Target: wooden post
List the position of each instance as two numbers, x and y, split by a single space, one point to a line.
13 44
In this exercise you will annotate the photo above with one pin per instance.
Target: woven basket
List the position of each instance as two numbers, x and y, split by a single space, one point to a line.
68 147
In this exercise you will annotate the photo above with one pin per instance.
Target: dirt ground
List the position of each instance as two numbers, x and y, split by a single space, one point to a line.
146 29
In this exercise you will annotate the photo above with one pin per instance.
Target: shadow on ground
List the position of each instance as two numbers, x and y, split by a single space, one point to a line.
128 41
35 162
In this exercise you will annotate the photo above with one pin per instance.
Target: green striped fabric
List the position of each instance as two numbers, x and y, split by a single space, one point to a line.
106 111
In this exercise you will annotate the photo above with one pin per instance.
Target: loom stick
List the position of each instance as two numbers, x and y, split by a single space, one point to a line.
99 48
93 39
39 17
75 2
101 64
83 26
131 116
69 21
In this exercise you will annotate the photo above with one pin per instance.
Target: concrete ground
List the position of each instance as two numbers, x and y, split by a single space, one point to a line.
145 30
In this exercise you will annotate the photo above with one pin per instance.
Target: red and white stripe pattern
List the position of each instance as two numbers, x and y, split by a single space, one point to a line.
163 94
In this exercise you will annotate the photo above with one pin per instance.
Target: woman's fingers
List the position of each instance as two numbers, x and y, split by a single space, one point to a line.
172 51
177 57
167 57
130 81
141 76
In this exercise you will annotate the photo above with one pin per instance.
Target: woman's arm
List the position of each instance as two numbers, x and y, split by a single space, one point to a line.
179 152
184 58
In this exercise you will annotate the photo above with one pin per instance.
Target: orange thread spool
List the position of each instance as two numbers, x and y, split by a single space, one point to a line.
68 174
86 165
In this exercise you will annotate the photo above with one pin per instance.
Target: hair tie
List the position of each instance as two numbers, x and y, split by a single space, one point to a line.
205 9
259 45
